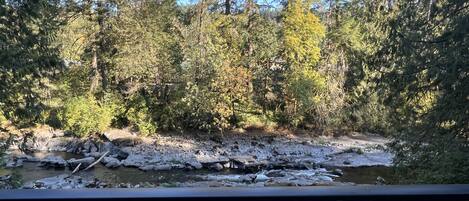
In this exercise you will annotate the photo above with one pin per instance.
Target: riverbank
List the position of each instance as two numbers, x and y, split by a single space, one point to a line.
249 158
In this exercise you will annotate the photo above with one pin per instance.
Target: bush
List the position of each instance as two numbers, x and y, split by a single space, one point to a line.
305 88
142 119
3 119
370 116
84 116
261 121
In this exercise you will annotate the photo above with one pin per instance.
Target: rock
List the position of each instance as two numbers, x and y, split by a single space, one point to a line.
64 181
323 178
337 172
366 159
247 178
85 162
217 167
88 147
203 184
164 167
5 178
28 158
147 167
227 165
134 161
287 177
127 141
380 181
275 173
6 182
19 163
207 160
93 154
11 164
113 150
261 178
178 166
53 161
232 178
58 133
245 160
194 164
280 182
111 162
118 153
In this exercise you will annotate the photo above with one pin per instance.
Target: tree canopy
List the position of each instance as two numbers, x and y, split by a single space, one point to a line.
397 68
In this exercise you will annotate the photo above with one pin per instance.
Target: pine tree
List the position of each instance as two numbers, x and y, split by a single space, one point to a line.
426 74
27 30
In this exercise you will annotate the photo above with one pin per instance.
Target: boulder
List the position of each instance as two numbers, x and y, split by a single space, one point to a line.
88 147
111 162
118 153
162 167
53 161
64 181
27 158
337 172
194 164
245 162
147 167
261 178
14 163
134 161
85 162
216 166
93 154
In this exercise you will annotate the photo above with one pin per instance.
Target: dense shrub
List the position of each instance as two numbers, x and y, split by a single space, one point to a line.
84 115
140 116
369 115
260 121
3 119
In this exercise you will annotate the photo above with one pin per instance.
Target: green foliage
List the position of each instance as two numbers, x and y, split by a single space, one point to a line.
260 121
27 30
369 115
425 81
85 116
302 36
392 67
306 87
3 119
303 33
139 115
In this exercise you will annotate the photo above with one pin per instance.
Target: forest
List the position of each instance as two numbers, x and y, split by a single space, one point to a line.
396 68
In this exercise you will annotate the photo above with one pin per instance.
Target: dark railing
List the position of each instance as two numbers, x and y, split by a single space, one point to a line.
350 193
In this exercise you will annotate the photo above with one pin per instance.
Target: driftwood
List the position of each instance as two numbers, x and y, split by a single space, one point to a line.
97 161
76 169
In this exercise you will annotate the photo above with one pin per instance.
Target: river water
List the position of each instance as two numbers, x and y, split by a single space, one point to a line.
31 172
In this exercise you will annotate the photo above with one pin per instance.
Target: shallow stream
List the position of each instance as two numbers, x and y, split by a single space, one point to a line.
31 172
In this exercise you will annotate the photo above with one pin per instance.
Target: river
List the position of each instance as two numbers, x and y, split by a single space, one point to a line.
127 175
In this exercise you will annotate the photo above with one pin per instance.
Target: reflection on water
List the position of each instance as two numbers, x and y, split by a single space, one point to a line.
30 172
367 175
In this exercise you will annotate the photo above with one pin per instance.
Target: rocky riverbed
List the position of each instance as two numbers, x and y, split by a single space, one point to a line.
241 159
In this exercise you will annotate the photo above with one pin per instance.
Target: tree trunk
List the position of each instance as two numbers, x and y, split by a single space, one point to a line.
101 66
227 7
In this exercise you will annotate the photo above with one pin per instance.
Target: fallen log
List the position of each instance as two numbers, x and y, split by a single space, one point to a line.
97 161
76 169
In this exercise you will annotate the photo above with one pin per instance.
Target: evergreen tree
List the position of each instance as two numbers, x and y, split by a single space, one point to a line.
426 73
27 33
